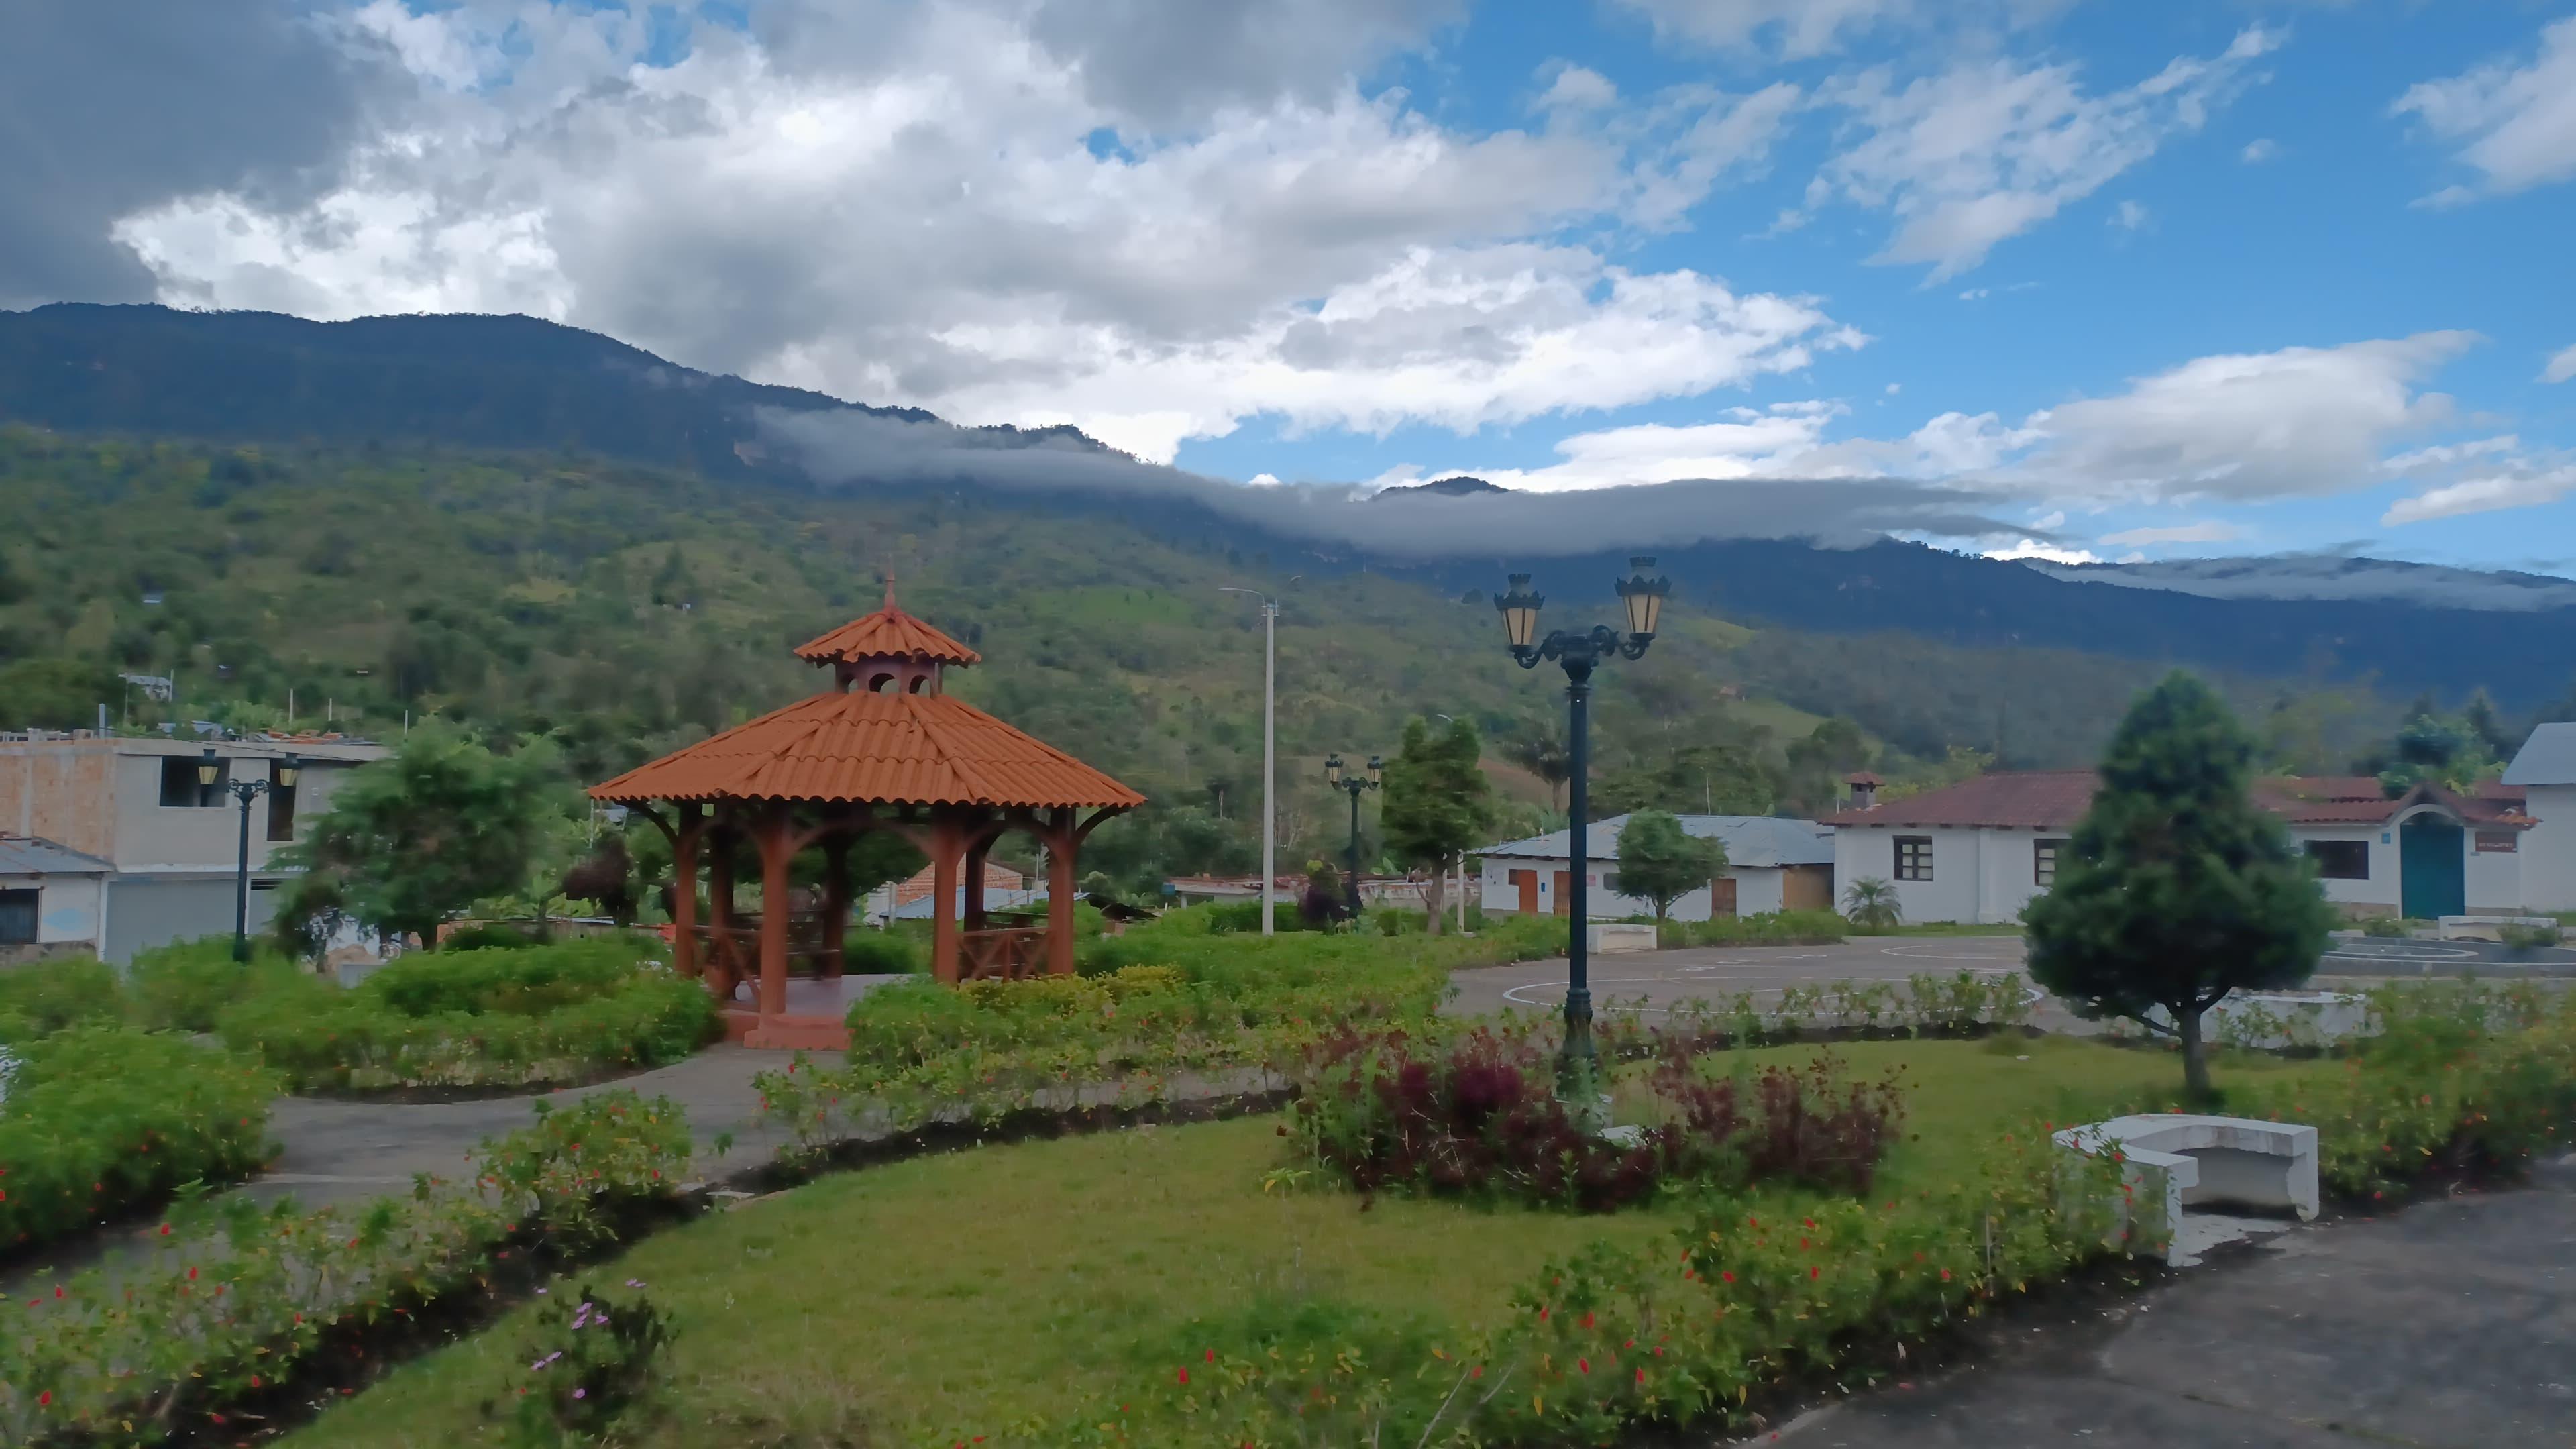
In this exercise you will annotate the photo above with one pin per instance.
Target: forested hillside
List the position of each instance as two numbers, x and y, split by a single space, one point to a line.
624 610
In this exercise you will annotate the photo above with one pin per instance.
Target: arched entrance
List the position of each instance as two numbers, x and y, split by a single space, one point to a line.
2432 867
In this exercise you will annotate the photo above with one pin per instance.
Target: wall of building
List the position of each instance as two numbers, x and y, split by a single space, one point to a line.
58 790
1979 877
1758 890
102 796
2548 853
2376 896
148 911
2494 877
68 908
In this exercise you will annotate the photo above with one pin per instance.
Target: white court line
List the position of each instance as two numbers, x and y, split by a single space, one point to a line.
1918 953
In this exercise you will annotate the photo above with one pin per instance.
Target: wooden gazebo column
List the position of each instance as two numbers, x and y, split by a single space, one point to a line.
720 962
1061 844
776 836
684 892
972 907
836 904
947 843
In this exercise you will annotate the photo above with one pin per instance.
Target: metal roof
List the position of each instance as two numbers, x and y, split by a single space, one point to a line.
2057 799
1753 841
912 749
2547 758
35 855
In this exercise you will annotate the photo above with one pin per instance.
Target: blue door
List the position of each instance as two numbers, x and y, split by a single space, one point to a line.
2432 869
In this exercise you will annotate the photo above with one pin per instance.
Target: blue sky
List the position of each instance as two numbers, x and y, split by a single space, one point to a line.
2120 279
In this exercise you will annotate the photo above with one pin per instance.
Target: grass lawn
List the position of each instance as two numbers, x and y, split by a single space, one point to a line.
947 1297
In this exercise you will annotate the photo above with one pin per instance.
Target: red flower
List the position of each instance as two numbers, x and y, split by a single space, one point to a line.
1641 1375
1587 1321
45 1398
1584 1364
1185 1376
1813 1271
1729 1277
1945 1275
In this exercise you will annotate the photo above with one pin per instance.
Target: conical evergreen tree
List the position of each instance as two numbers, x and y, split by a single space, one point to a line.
2177 888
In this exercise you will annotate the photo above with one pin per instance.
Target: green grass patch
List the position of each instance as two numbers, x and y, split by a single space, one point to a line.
957 1295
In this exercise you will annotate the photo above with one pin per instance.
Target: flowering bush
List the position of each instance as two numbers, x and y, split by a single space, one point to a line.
489 1018
186 985
1478 1115
98 1121
44 997
232 1299
591 1359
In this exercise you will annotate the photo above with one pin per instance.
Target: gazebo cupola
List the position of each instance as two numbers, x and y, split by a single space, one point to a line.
888 652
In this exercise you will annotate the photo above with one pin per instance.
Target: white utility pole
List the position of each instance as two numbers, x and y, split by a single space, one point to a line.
1269 748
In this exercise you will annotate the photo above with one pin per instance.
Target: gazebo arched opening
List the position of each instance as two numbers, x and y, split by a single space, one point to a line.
885 749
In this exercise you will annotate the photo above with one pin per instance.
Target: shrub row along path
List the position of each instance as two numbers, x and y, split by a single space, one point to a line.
2452 1322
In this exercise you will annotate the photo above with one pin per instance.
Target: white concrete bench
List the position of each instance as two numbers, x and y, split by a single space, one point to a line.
2486 928
2178 1160
1609 936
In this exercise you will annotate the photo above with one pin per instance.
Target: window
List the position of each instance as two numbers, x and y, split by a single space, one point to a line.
281 807
179 785
1914 857
18 918
1610 883
2341 859
2043 861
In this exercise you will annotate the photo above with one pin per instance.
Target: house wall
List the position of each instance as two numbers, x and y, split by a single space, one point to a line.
2377 896
1758 889
68 908
102 797
1979 877
2548 853
59 790
148 911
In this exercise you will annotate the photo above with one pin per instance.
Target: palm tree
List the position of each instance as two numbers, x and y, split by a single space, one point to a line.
1871 905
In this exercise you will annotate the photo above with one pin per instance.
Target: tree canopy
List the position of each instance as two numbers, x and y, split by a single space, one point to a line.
1662 862
1438 803
2176 888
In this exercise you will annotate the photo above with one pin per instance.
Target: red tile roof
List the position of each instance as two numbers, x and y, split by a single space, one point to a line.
887 632
2056 799
920 749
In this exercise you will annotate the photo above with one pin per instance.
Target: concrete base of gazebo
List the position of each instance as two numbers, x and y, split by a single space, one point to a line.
816 1018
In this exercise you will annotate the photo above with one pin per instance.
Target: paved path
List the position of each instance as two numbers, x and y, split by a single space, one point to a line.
2452 1323
337 1150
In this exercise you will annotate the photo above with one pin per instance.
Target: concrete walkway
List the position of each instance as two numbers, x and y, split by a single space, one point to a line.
337 1151
2451 1323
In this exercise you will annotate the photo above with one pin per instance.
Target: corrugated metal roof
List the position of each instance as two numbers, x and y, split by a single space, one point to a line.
2057 799
35 855
2547 758
918 749
1752 841
887 632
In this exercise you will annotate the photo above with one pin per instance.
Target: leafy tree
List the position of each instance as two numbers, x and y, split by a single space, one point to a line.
1438 804
1871 904
1661 862
56 694
1323 903
1722 779
411 840
2442 750
1541 750
2483 724
1817 764
2176 887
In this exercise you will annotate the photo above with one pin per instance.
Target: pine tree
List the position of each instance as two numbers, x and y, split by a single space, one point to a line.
1661 862
2177 888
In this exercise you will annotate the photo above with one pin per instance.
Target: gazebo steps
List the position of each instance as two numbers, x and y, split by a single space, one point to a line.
786 1032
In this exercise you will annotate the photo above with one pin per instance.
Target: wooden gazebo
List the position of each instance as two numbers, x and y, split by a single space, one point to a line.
885 748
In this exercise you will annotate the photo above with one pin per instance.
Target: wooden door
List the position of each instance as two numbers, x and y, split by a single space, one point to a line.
1721 896
1563 905
1526 882
1807 888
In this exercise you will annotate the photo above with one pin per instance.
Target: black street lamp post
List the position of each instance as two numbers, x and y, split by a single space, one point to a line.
1578 1067
1355 785
210 773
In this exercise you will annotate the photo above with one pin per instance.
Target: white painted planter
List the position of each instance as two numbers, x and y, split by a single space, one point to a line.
1610 936
2484 928
2179 1160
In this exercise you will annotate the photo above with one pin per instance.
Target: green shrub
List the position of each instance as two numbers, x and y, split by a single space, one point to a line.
2517 937
1805 928
61 993
2387 927
98 1120
488 1018
486 936
883 953
186 985
1230 918
592 1362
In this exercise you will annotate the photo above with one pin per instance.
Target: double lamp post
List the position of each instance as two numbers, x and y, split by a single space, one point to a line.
1578 1066
210 778
1354 786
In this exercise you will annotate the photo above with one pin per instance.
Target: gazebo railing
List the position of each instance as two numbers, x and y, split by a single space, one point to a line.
1010 954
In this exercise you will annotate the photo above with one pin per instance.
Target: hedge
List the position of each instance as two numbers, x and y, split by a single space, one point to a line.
100 1120
498 1017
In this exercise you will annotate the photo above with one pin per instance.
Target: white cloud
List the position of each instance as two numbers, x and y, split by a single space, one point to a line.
1989 149
2206 532
2259 150
1577 88
2516 119
2562 366
1976 294
1794 27
2519 483
918 206
2054 553
2128 216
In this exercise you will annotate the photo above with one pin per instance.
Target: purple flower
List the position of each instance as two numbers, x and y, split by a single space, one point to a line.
634 1282
581 1393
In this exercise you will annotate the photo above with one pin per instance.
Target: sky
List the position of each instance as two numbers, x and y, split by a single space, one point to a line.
2068 278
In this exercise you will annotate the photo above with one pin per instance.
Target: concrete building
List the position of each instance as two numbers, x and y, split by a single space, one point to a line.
2545 771
1977 851
167 847
1772 865
52 900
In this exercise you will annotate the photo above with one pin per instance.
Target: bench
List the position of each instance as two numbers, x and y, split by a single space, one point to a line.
1609 936
2177 1160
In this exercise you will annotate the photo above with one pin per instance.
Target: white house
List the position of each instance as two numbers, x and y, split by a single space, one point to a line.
52 900
2545 771
169 848
1978 851
1772 864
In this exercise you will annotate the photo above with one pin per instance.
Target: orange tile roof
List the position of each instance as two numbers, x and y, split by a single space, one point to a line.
2057 799
915 749
888 631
